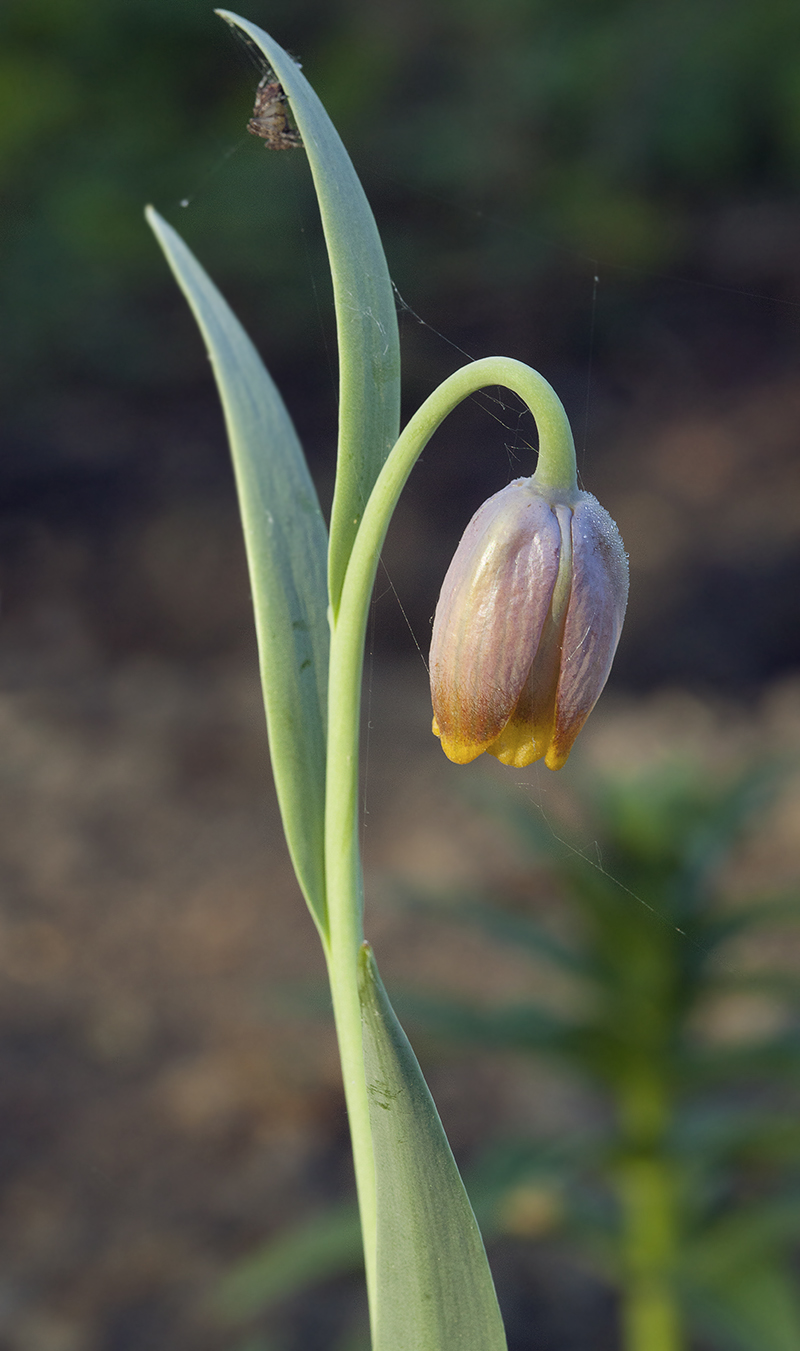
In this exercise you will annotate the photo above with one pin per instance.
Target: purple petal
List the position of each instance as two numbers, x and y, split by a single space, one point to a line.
490 615
596 609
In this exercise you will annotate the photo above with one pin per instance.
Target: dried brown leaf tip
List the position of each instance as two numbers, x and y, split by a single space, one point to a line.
270 118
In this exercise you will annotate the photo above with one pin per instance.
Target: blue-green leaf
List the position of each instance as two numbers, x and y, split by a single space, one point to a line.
366 321
434 1287
286 540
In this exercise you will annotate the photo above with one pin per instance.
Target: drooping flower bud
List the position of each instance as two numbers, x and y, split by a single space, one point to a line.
527 625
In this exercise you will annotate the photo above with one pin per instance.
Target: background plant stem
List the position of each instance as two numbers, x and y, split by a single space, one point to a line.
647 1191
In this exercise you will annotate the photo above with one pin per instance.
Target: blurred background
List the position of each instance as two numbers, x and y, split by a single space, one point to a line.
606 189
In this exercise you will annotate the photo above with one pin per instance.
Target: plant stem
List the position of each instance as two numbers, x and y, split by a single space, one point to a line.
343 872
650 1315
345 892
555 468
648 1188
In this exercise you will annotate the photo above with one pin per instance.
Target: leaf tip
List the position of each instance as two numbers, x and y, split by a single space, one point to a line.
229 17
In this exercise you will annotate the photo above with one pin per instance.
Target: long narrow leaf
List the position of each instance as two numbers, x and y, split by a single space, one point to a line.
434 1287
286 540
328 1243
366 321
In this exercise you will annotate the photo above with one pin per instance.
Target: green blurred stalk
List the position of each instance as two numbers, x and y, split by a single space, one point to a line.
647 1189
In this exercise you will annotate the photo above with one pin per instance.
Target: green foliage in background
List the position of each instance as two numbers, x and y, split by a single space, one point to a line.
610 130
703 1162
688 1197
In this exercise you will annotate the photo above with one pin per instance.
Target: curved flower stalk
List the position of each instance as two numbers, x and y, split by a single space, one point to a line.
428 1281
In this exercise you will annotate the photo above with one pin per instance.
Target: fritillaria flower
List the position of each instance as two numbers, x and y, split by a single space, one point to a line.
527 625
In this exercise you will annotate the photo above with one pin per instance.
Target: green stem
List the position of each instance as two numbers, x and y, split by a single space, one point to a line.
648 1190
344 881
650 1315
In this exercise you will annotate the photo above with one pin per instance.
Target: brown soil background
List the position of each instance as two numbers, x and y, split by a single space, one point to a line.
170 1094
